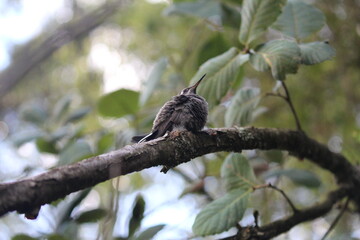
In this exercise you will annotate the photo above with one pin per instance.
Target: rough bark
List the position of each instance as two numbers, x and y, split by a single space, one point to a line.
25 195
31 56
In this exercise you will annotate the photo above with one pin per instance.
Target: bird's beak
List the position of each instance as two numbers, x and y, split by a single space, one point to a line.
197 84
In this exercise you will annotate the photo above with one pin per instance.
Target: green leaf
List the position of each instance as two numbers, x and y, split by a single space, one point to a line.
137 215
60 133
69 229
242 107
78 114
212 48
33 113
44 145
221 72
237 3
91 216
200 8
299 20
21 138
105 142
237 173
282 56
119 103
256 17
56 237
153 80
61 107
316 52
150 232
76 131
74 152
298 176
230 15
65 215
221 214
22 237
216 115
234 2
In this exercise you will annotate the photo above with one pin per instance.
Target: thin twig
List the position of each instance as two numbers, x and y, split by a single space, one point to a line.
269 185
285 196
288 100
336 220
276 95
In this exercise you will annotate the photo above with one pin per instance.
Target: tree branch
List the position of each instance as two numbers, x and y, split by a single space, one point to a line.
28 194
278 227
31 55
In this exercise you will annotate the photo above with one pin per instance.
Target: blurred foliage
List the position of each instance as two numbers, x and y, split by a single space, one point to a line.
61 107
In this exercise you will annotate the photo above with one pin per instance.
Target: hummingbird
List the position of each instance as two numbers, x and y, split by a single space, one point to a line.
186 111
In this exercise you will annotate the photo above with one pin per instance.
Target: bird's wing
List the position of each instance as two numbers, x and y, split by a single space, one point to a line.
169 115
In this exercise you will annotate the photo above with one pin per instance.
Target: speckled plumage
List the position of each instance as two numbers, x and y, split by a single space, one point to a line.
186 111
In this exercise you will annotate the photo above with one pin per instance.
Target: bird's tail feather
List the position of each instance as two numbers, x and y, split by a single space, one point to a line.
136 139
144 138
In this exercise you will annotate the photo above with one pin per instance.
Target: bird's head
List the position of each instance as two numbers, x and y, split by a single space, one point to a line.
192 89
